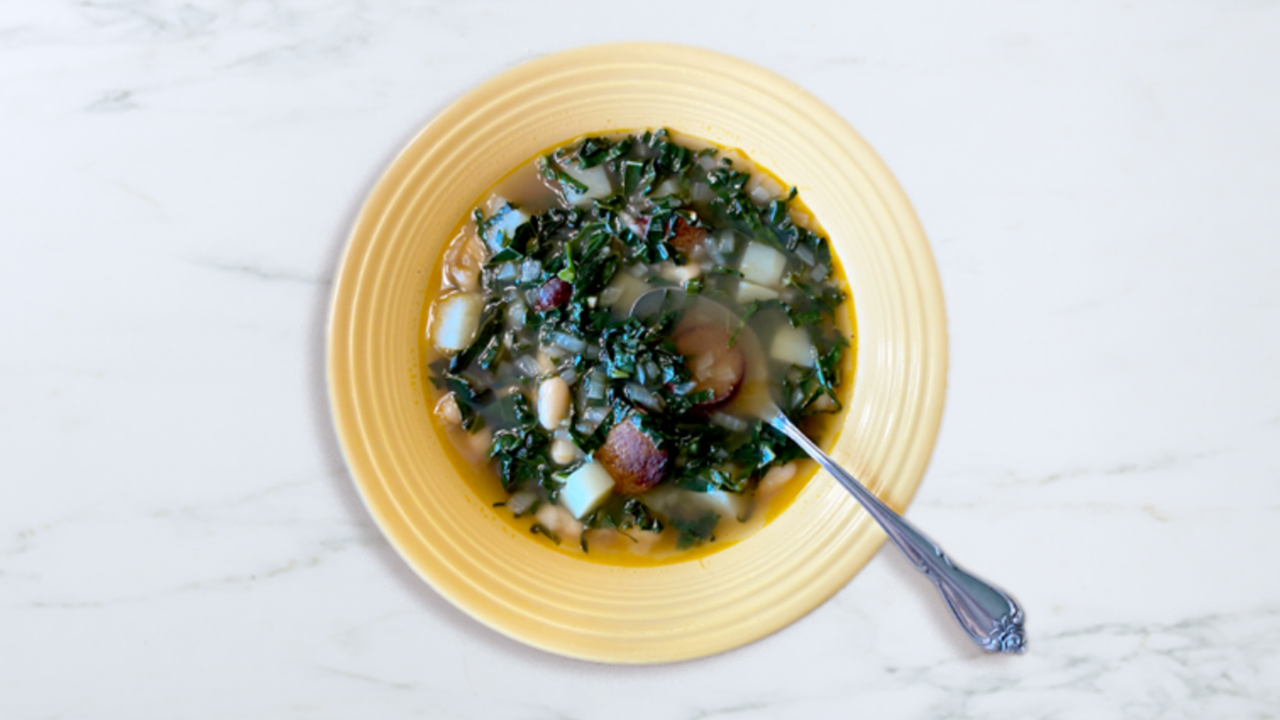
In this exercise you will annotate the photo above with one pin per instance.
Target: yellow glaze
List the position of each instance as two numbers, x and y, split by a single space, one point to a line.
452 538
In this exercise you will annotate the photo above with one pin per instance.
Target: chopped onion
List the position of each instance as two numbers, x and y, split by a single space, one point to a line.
728 422
520 502
508 271
567 341
797 397
516 313
762 188
570 375
819 273
649 369
529 366
805 254
594 386
531 270
665 188
594 415
725 241
749 291
740 163
640 394
595 179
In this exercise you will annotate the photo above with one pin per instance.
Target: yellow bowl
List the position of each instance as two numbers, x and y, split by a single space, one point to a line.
457 543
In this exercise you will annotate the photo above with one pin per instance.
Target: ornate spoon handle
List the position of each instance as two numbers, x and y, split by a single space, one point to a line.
990 615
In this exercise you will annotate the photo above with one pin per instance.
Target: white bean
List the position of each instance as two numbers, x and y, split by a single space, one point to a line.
448 410
777 476
558 520
481 442
553 401
563 451
464 261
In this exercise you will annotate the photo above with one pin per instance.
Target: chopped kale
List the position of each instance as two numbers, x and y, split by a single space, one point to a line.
695 532
546 281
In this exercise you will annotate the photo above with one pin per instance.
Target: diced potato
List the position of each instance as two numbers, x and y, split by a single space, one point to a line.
749 291
585 489
623 290
596 180
792 345
506 225
455 320
762 265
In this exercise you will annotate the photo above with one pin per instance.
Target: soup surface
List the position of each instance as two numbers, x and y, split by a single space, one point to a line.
628 437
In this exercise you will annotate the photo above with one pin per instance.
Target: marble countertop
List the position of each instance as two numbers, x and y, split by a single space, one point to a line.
179 536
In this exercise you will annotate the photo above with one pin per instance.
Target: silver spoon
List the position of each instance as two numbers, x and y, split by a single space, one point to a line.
990 615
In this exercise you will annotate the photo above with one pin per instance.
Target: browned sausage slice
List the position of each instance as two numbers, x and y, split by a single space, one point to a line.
688 239
631 459
553 294
714 365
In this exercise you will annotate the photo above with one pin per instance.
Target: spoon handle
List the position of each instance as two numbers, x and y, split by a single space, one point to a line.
990 615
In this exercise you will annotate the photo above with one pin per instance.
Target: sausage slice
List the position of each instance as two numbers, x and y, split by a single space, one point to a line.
553 294
631 459
688 239
714 365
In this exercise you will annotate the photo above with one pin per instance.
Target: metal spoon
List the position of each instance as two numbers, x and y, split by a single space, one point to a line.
990 615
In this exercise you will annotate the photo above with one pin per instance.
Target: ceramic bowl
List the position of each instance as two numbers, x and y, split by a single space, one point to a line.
457 543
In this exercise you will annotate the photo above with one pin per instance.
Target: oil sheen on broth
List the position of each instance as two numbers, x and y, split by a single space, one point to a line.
616 438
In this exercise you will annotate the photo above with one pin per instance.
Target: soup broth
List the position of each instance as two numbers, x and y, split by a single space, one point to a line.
621 438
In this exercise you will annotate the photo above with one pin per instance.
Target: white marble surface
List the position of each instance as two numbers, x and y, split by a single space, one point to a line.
179 537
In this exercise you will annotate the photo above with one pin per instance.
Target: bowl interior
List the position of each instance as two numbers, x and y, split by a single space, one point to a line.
457 543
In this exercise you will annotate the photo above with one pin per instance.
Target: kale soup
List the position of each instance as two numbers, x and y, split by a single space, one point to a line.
619 438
